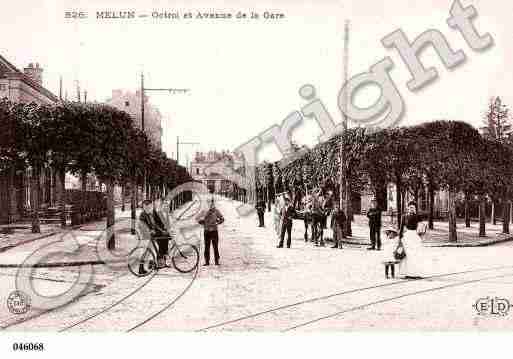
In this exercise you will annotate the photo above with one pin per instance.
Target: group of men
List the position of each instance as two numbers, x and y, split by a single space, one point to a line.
315 212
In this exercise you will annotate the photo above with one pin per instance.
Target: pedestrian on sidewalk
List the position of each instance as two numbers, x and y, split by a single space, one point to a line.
287 215
374 216
210 220
338 220
260 208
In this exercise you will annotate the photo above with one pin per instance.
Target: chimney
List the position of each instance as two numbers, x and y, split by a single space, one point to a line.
35 73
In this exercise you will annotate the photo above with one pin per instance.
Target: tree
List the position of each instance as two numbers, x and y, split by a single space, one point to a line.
389 156
34 148
108 158
458 144
497 127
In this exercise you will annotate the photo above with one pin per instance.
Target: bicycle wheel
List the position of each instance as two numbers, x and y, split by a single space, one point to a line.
185 258
141 261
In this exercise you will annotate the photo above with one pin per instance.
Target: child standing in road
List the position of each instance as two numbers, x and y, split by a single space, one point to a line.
389 247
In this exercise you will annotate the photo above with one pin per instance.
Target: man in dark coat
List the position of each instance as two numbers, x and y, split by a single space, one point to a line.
374 215
150 227
338 220
287 215
210 220
260 208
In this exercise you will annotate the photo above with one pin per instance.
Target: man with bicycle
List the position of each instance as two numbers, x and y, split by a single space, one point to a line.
153 227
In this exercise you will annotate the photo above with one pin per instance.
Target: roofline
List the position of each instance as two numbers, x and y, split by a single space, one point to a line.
17 73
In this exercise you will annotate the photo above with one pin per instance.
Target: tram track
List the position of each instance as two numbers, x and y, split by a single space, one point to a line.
297 304
118 302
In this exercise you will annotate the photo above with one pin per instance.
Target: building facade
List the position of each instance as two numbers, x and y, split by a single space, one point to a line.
23 87
131 103
210 168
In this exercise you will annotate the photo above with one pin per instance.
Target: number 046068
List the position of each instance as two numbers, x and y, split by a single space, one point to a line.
28 347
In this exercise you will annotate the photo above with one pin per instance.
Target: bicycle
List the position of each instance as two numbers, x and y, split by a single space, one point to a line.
142 260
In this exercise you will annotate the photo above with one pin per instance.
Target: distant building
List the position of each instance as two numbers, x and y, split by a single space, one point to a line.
210 169
23 87
131 103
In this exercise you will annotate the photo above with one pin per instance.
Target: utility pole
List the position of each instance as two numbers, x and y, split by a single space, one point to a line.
60 88
78 91
143 97
345 190
142 102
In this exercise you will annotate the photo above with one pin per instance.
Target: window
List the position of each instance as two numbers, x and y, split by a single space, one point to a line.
3 87
127 103
197 171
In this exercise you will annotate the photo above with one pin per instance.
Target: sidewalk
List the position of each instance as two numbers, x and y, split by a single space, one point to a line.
438 237
70 247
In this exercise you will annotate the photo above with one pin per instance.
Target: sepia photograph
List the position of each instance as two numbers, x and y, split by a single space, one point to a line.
275 173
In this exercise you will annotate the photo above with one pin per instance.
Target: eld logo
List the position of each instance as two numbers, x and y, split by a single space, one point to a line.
492 306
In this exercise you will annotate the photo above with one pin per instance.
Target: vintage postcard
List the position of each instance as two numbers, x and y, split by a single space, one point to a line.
254 166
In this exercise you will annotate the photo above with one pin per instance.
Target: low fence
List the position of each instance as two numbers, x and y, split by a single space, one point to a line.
85 206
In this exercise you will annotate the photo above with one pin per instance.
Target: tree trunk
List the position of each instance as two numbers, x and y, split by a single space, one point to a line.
36 186
493 219
83 208
505 217
136 195
431 193
111 241
398 202
269 198
467 211
61 194
123 197
133 201
416 199
482 216
511 212
452 216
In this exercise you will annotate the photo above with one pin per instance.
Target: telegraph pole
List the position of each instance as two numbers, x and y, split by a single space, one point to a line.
345 190
142 102
143 96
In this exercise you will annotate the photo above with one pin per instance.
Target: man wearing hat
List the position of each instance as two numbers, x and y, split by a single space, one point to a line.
287 214
210 220
374 216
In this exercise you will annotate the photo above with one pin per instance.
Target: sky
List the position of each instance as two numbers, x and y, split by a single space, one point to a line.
244 75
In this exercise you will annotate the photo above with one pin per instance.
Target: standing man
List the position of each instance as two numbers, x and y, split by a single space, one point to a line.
287 214
374 215
260 208
318 217
210 220
307 212
338 220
